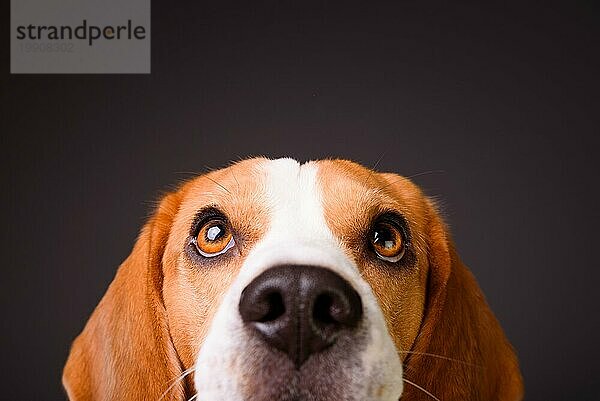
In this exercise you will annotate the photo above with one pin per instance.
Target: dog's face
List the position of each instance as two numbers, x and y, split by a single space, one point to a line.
272 280
277 223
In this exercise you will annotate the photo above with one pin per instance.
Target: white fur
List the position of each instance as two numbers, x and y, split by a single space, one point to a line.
298 234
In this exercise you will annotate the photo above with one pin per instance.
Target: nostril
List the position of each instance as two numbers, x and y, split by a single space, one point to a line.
261 305
337 309
325 310
275 307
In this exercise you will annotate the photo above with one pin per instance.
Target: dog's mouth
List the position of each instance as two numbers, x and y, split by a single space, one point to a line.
312 387
326 375
337 373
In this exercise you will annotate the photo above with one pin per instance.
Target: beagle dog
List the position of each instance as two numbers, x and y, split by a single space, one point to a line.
272 280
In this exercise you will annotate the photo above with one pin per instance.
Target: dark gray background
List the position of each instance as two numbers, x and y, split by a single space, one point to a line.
493 109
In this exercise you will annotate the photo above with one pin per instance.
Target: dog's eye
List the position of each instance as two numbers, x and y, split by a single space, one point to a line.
214 238
387 241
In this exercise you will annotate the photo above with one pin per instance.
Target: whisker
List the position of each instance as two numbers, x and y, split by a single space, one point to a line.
192 398
188 172
392 182
372 171
236 181
425 173
374 167
225 189
421 388
440 357
177 380
400 178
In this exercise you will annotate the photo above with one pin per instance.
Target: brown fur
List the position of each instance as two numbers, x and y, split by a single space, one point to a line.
149 326
125 351
459 325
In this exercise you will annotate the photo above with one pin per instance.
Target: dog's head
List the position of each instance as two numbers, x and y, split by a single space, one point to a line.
271 280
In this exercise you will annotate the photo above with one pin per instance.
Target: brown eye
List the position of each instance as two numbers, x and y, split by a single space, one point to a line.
214 238
387 241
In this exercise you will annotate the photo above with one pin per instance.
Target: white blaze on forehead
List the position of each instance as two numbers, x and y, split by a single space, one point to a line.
298 232
296 200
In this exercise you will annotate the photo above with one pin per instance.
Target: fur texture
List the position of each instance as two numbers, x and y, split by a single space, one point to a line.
168 326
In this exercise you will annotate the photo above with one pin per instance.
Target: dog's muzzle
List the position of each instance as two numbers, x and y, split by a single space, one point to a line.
298 323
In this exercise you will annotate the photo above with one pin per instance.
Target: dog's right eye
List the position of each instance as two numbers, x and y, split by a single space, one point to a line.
387 241
214 238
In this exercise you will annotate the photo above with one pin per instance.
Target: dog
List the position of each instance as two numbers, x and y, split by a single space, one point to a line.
271 280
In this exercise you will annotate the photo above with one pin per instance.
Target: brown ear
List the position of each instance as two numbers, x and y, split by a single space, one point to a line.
478 362
125 351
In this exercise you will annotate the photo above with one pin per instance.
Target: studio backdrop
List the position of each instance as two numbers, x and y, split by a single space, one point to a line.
491 109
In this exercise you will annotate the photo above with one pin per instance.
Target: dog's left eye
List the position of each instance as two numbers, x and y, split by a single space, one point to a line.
387 241
214 238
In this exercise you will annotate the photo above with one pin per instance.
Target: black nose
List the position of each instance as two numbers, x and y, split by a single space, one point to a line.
300 310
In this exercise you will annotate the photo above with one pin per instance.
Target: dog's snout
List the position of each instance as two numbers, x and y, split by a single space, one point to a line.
300 310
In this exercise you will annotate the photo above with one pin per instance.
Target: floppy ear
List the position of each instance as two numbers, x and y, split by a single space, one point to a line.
125 351
459 325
